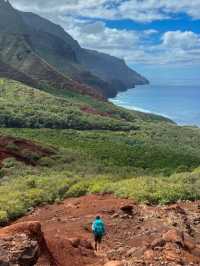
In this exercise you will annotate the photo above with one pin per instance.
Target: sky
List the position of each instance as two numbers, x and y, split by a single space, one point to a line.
158 38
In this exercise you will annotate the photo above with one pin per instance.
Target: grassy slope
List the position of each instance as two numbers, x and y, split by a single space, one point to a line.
143 164
132 165
23 106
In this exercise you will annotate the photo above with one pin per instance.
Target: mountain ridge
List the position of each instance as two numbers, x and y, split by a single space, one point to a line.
59 50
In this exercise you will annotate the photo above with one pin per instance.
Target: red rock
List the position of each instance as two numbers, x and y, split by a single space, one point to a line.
86 244
149 256
196 251
32 229
172 255
174 236
158 242
131 252
20 250
75 242
189 242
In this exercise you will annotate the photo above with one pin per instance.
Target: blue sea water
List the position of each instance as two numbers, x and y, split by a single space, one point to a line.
179 103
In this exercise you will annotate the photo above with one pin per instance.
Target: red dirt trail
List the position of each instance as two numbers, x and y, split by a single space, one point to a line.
167 235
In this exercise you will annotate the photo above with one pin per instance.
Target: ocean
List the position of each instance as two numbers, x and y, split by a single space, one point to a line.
179 103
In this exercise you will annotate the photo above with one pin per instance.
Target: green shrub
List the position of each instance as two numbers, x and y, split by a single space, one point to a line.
3 218
77 190
47 162
2 173
31 183
30 156
12 147
10 163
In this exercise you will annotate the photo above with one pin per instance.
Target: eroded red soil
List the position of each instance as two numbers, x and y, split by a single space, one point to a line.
151 236
22 150
90 110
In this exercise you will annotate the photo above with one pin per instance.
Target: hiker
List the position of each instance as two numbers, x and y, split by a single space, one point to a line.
98 229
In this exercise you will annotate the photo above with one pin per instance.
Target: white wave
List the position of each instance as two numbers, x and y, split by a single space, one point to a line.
139 109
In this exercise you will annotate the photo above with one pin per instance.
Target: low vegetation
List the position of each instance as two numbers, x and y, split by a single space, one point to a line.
24 107
128 153
156 164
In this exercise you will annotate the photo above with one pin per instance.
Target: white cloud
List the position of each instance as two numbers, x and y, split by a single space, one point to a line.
174 47
184 40
137 10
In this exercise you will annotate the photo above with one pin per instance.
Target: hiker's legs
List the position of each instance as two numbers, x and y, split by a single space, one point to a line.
98 240
96 245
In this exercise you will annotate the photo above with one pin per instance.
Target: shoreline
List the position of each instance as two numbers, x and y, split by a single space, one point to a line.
122 104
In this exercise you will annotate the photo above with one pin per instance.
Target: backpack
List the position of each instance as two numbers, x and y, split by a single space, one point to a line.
98 228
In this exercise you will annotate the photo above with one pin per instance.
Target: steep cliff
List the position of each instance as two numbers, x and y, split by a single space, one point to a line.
26 38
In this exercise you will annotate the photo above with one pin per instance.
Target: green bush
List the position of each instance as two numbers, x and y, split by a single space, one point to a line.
30 156
9 163
77 190
47 162
3 218
146 165
2 173
12 147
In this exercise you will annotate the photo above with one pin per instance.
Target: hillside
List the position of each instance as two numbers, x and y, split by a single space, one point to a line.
23 106
31 40
154 164
17 54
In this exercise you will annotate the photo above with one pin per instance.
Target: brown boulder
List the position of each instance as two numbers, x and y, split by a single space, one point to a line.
63 253
174 236
20 244
158 242
189 242
86 244
131 252
196 251
149 256
75 242
19 250
31 229
173 256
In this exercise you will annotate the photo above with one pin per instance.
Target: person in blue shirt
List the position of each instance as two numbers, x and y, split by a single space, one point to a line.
98 229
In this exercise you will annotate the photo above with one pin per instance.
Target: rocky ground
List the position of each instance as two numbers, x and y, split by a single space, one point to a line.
136 234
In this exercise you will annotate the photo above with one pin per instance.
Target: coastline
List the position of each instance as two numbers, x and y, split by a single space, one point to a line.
135 108
129 101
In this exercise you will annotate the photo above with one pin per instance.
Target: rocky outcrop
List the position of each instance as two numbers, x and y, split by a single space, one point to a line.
18 250
21 244
24 244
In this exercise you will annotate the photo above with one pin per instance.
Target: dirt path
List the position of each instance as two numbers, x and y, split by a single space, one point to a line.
135 240
72 219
